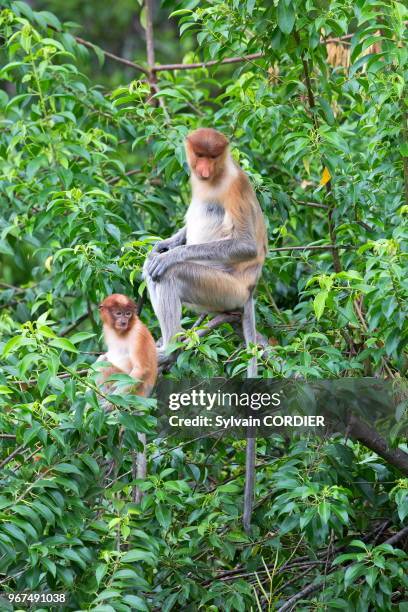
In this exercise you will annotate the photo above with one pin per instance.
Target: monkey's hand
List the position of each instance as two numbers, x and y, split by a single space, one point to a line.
162 246
159 263
176 240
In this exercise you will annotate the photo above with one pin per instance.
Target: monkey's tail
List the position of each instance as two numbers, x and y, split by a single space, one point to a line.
249 329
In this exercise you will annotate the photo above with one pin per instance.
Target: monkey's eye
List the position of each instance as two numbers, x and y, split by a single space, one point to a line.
128 314
118 313
199 155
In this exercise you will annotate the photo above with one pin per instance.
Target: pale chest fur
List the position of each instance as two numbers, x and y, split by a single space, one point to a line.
206 219
206 222
118 349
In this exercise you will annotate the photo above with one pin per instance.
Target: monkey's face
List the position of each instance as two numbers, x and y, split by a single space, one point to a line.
122 319
205 167
206 153
118 312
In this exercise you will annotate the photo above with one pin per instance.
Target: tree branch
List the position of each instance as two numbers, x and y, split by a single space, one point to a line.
226 60
371 438
213 324
11 456
323 247
112 56
318 586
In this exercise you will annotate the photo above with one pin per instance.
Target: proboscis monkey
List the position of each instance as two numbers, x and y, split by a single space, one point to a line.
132 351
214 262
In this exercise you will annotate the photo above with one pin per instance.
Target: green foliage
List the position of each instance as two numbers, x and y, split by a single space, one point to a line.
89 178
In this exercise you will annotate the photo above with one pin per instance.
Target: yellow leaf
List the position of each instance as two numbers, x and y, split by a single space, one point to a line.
326 176
306 163
48 263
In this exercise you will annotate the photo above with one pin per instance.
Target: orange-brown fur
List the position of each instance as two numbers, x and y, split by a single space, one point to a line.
132 348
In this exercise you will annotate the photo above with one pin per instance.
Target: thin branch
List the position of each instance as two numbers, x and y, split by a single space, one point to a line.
34 381
73 325
323 247
226 60
116 179
339 39
112 56
312 588
308 590
16 289
162 67
311 204
11 456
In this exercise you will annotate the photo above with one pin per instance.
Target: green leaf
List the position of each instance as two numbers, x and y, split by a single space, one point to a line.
136 603
50 566
14 532
180 12
324 511
319 303
49 18
137 554
67 468
371 576
353 572
64 344
100 572
15 343
163 515
286 16
81 336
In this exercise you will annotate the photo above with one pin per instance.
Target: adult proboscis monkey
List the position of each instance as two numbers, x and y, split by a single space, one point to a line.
214 262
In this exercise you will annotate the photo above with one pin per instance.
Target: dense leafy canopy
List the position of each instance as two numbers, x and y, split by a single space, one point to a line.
89 178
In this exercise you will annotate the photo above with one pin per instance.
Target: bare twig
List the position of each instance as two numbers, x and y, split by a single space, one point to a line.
311 204
323 247
317 586
112 56
116 179
11 456
16 289
73 325
226 60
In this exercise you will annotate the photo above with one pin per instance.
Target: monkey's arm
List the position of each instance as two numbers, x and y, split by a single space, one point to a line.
176 240
231 250
106 371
